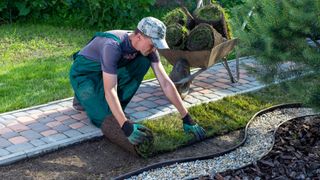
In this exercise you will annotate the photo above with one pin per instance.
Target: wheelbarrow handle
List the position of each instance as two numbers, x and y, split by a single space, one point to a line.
190 77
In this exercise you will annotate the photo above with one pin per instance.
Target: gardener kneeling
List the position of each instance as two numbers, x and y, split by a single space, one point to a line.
108 71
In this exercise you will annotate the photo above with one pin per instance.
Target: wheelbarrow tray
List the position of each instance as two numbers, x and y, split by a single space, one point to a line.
200 59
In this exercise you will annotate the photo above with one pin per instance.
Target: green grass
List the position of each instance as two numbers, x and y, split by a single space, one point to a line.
226 115
35 62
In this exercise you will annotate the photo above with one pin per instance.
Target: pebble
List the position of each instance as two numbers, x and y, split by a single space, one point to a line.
259 142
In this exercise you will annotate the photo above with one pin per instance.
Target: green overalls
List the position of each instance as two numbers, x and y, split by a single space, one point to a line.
87 82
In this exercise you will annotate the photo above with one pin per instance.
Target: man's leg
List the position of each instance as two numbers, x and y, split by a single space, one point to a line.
90 91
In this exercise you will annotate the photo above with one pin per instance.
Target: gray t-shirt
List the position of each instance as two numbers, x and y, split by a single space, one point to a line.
109 52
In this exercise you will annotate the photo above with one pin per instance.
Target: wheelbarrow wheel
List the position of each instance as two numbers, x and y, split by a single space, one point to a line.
180 70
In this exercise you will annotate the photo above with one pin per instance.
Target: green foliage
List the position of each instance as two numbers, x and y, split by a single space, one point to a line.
88 13
276 33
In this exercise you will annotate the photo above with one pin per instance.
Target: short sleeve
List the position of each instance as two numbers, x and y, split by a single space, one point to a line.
111 54
154 56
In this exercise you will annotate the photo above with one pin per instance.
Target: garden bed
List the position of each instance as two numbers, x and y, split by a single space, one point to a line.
295 155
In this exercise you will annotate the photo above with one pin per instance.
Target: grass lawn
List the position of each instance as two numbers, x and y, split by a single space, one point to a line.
35 62
226 115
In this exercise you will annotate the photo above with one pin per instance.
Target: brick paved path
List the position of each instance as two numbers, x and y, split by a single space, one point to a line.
32 131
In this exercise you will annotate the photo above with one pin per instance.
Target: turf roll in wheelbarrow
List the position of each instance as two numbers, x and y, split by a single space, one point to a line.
113 132
176 36
203 37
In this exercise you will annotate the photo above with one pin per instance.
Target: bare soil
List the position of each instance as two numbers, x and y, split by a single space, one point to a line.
100 159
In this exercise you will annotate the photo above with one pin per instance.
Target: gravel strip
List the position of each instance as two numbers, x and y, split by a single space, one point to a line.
259 142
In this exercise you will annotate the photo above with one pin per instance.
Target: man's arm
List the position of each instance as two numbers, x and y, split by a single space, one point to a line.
168 88
110 89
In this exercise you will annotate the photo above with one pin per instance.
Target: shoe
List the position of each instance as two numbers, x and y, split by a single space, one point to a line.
76 105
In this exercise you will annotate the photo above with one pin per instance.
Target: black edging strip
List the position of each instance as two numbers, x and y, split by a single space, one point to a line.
182 160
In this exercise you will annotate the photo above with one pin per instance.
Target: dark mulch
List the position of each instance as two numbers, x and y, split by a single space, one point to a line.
295 155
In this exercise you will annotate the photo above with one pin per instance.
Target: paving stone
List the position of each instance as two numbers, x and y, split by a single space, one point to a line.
153 98
55 114
70 112
76 125
72 133
25 119
4 121
18 140
132 105
4 152
19 127
136 99
144 95
79 116
20 114
147 89
140 108
129 110
12 122
61 128
163 108
67 103
48 132
211 96
4 143
202 98
10 134
8 116
31 135
37 142
19 147
155 111
5 130
34 111
38 127
45 120
53 123
161 102
140 115
69 121
53 138
50 107
88 129
191 100
62 118
160 93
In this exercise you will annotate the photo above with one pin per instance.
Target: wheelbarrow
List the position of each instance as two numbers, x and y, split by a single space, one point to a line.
182 61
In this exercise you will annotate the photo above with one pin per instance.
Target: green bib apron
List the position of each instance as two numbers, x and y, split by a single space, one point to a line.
87 82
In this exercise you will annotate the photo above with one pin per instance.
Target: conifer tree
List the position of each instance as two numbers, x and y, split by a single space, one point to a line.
282 35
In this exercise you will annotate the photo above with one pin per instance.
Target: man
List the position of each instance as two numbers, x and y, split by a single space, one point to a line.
108 71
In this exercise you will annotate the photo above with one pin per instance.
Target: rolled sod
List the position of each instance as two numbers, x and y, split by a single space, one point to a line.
214 15
176 36
203 37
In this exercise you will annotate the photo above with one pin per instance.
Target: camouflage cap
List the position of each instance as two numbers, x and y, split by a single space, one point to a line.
156 30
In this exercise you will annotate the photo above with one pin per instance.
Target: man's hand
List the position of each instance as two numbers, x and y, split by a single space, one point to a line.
136 133
189 126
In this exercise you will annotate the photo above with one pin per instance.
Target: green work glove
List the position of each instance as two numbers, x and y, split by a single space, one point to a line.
189 126
136 133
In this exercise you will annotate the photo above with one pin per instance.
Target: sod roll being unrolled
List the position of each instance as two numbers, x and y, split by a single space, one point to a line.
176 36
113 132
203 37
